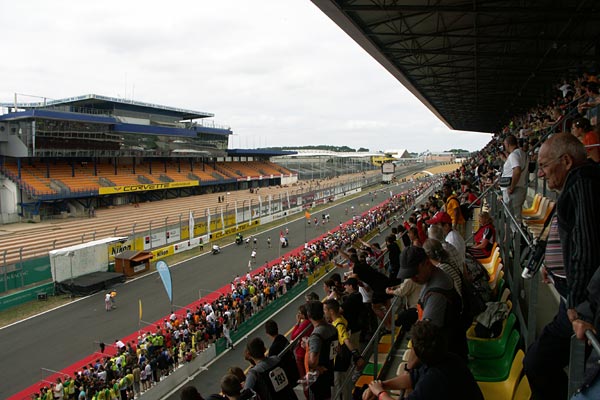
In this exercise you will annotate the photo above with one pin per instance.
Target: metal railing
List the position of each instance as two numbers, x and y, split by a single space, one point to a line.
577 360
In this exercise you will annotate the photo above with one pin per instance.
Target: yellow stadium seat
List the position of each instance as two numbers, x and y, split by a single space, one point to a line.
487 260
535 204
493 262
494 273
384 347
506 389
363 380
540 211
523 390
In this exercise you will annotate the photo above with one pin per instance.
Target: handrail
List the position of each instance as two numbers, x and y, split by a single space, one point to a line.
489 188
293 343
372 343
594 342
577 361
517 224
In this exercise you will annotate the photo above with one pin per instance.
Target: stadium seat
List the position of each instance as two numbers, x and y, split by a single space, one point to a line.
543 217
363 380
523 390
388 338
493 262
508 388
495 369
495 273
488 260
370 368
490 348
497 290
540 211
384 347
535 204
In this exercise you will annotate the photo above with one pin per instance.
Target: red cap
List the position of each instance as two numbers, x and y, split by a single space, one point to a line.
440 217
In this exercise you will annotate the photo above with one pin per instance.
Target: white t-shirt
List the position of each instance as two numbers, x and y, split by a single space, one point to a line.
454 238
517 158
366 293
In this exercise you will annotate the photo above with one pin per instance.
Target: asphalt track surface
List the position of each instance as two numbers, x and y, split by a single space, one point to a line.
63 336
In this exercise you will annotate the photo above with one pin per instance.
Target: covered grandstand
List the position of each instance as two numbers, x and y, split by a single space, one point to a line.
65 157
322 164
528 69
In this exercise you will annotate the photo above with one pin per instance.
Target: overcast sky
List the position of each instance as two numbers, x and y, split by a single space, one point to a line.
278 72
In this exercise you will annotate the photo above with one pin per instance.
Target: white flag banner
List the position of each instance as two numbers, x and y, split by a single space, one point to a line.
208 222
222 221
191 224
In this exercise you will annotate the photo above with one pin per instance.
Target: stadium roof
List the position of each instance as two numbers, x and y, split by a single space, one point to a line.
474 64
329 153
258 152
95 101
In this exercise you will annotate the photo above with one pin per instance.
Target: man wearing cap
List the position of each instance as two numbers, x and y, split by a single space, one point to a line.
445 222
439 302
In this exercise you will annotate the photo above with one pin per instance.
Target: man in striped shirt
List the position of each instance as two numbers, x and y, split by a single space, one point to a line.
562 163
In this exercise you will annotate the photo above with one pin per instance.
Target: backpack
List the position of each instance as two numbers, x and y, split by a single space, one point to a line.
476 288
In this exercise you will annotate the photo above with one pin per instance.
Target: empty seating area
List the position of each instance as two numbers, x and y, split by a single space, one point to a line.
269 168
38 178
29 182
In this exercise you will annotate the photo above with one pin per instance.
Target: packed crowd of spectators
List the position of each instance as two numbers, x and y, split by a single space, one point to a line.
428 262
136 366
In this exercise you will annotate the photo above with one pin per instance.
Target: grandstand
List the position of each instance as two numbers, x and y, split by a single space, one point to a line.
507 69
98 151
320 164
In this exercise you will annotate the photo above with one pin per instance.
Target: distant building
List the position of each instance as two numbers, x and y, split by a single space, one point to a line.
397 153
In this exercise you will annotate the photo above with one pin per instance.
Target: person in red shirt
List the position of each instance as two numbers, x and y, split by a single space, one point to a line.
302 322
484 238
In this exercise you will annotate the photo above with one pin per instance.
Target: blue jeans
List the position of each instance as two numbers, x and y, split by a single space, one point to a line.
590 393
546 358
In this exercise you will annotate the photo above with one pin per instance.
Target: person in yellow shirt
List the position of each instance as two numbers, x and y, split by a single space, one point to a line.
453 209
332 313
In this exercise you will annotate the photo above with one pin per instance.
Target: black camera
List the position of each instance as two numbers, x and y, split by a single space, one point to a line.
535 261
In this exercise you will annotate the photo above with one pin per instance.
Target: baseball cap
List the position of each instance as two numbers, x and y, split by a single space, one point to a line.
410 259
440 217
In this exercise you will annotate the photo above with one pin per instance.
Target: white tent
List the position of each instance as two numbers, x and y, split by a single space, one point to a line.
81 259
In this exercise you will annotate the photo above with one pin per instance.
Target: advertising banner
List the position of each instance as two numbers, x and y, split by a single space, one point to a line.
145 187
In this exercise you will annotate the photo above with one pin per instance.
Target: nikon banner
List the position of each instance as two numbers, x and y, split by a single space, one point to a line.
145 187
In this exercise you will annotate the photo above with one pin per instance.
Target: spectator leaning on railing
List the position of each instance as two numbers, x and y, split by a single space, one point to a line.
562 163
435 373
